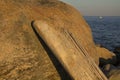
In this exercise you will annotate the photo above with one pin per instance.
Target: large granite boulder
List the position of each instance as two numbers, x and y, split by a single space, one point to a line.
22 55
25 57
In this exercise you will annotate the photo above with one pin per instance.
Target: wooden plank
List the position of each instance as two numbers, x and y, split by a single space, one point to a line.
73 57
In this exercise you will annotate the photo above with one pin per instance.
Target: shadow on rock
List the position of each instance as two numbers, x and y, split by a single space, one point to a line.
107 61
62 72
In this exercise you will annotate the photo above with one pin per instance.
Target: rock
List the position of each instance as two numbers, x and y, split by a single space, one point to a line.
118 59
99 45
114 74
25 57
107 68
71 55
105 56
117 50
22 55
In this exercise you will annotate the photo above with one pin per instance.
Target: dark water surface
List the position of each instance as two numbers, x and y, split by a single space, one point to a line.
106 31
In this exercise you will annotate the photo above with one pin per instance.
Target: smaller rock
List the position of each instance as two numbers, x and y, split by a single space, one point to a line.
107 68
118 59
112 72
105 56
117 50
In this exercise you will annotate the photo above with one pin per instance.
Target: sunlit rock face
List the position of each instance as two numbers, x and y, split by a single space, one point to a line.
22 55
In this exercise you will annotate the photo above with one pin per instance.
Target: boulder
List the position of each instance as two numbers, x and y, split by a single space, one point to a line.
112 72
117 50
107 68
22 55
114 75
72 56
25 56
105 56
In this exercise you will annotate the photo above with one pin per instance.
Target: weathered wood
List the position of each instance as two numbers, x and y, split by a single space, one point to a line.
73 57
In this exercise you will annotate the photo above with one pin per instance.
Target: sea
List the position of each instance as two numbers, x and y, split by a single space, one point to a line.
105 30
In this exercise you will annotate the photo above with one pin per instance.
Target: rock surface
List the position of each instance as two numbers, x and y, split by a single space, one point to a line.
117 52
112 72
105 56
72 56
22 55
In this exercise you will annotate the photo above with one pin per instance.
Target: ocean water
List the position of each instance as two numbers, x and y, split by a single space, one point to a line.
106 31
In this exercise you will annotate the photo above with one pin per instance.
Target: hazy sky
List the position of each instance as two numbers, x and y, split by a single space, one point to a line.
96 7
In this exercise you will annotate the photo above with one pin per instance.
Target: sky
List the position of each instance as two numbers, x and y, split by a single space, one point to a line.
96 7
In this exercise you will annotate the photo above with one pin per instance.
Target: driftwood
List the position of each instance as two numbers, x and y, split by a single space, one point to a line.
73 57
